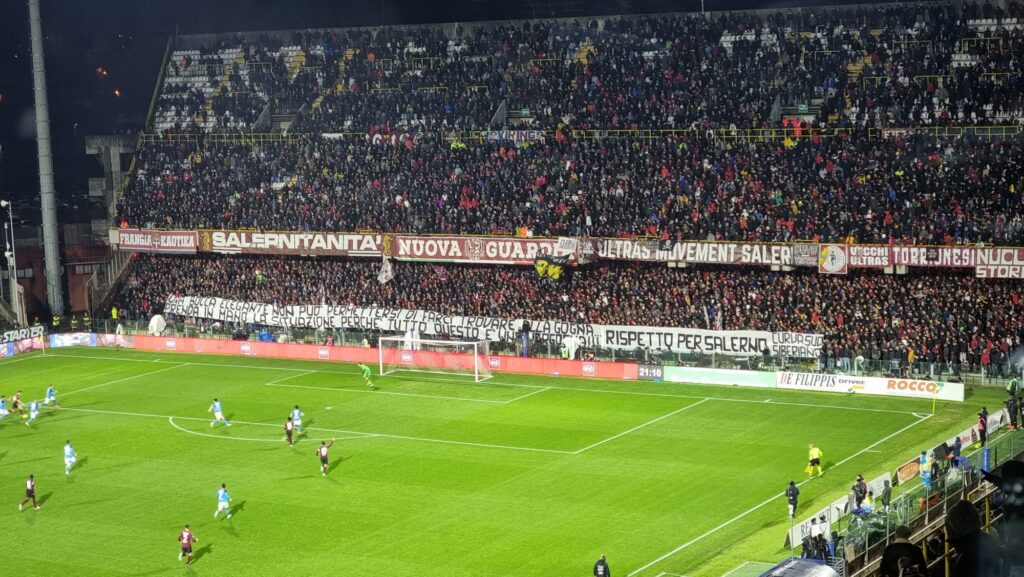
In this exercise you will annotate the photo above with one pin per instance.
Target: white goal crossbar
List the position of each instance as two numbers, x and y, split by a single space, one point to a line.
465 358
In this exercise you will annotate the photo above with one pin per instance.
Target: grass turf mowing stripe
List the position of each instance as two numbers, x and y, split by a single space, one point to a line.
379 392
769 500
638 427
395 504
521 397
322 430
288 378
498 383
91 387
19 358
278 441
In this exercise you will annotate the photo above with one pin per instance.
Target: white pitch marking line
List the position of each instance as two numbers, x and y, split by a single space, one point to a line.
184 430
737 568
490 446
487 383
380 392
363 433
643 394
767 501
122 380
18 360
521 397
225 365
303 372
640 426
550 387
813 405
290 377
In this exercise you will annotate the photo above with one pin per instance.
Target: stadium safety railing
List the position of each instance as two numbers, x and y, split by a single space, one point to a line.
786 135
862 538
984 132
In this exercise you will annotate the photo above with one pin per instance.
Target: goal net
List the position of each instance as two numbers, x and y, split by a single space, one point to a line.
463 358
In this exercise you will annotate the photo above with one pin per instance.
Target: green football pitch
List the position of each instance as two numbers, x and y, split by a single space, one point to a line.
430 474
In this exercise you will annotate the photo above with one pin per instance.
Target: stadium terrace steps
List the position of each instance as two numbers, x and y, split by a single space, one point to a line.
994 25
296 60
584 52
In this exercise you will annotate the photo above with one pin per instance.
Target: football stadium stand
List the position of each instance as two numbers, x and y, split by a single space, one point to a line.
845 133
896 124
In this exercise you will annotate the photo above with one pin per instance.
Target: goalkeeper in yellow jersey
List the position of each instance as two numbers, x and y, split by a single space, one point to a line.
814 456
366 375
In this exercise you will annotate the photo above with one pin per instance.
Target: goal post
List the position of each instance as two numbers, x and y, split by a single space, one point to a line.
463 358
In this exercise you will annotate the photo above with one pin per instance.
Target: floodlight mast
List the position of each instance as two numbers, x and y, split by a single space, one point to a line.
11 255
54 293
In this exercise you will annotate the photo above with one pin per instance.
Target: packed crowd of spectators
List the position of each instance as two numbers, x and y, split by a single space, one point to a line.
913 189
381 140
643 72
927 316
377 139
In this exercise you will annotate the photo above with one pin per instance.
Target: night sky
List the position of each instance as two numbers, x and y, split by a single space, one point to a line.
126 40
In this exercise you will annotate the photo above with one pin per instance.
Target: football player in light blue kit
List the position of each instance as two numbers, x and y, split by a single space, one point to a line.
70 458
33 412
218 413
3 407
222 501
51 396
297 419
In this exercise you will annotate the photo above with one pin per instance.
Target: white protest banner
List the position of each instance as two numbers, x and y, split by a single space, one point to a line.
729 343
682 340
566 246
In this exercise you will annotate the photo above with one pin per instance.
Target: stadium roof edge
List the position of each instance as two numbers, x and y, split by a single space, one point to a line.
191 41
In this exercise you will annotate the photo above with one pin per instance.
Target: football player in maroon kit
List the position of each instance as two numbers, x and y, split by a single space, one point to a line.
289 427
30 493
186 538
322 452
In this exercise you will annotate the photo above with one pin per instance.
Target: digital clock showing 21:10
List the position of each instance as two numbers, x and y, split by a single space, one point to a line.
650 372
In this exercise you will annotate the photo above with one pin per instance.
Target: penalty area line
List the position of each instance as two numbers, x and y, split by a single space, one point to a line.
289 377
380 392
521 397
640 426
191 432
